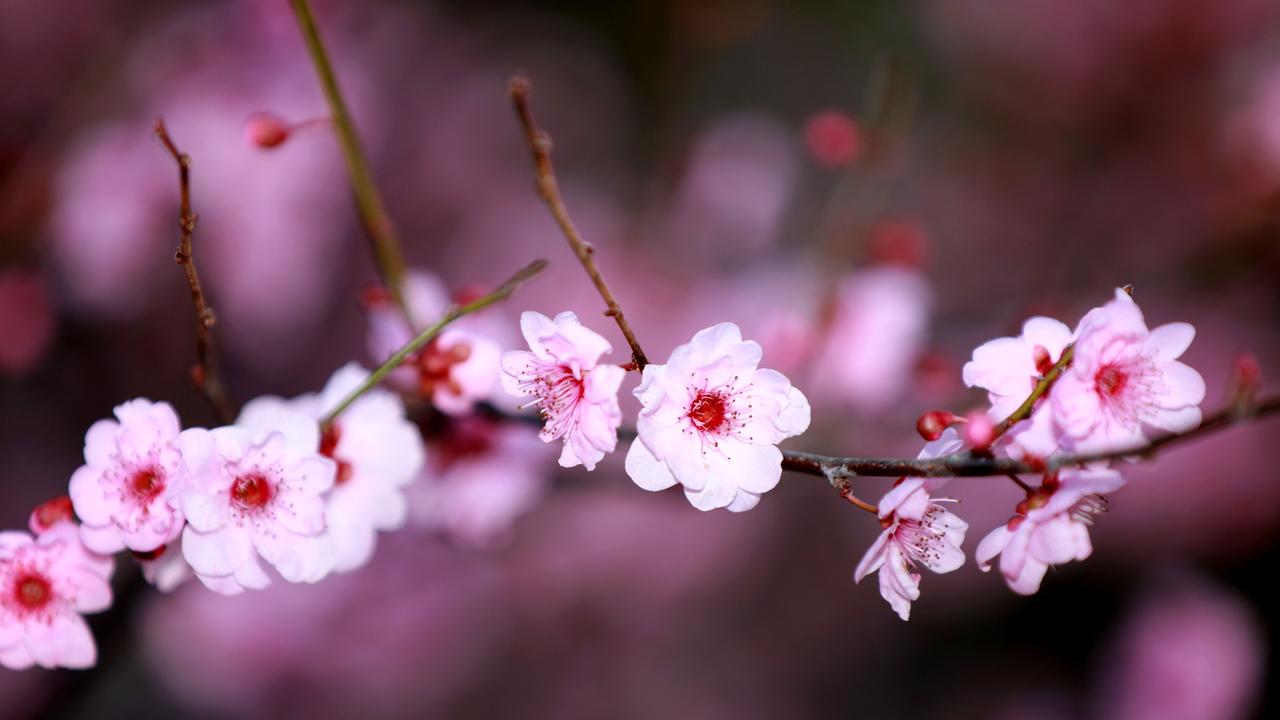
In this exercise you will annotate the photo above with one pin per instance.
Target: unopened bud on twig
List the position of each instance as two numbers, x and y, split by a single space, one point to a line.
931 424
266 131
979 431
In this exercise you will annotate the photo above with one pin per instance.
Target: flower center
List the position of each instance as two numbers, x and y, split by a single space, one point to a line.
32 591
328 446
435 367
251 491
1111 380
146 484
709 411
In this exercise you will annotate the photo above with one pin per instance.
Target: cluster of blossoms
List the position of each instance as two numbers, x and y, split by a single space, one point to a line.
1112 385
276 495
289 493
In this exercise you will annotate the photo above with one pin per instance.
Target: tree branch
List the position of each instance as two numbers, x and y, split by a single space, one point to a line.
968 464
373 214
204 373
549 191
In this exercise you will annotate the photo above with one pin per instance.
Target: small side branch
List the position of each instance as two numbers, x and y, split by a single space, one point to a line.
549 191
204 373
1024 411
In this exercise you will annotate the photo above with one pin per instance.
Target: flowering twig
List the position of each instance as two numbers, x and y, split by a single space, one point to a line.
967 464
1039 391
204 373
549 191
503 292
373 215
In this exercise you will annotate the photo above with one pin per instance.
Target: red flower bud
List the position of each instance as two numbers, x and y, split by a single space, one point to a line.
50 513
833 138
266 131
931 424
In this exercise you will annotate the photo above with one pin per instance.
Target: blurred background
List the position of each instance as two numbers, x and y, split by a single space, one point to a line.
871 189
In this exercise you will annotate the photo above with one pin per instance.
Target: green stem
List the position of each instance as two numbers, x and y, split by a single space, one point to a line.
1042 387
503 292
373 214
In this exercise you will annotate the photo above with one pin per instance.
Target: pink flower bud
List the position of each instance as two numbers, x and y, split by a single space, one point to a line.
931 424
50 513
1246 377
979 432
833 138
266 131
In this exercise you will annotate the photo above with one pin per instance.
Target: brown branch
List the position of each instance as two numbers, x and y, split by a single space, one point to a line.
967 464
549 191
1039 391
204 373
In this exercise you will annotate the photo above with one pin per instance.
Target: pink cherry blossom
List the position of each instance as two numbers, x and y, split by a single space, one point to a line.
378 452
457 369
1125 384
481 478
256 495
578 396
46 583
1051 528
711 421
917 532
878 330
126 493
1008 369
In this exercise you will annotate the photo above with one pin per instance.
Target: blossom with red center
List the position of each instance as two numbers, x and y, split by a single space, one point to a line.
457 369
711 420
126 493
376 451
46 583
1008 368
1125 384
577 395
1051 527
918 532
256 492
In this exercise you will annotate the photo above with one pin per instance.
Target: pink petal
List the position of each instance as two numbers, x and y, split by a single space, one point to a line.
873 558
992 545
646 470
1167 342
217 553
1002 366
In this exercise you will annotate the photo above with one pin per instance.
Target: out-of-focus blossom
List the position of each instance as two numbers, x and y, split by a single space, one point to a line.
256 495
1188 650
46 583
481 477
878 329
126 494
1051 528
1008 369
26 321
833 138
265 131
457 369
165 568
917 532
377 452
1125 384
578 396
50 514
711 421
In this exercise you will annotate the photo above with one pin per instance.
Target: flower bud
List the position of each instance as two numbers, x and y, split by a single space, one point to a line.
48 514
979 431
266 131
833 138
1246 379
931 424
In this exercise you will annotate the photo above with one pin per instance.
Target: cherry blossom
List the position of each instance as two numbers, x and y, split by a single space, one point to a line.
1051 527
457 369
46 583
711 421
1008 368
126 493
917 532
578 396
1125 384
256 495
377 450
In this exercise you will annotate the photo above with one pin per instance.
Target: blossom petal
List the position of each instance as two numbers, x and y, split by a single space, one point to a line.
1167 342
217 553
646 470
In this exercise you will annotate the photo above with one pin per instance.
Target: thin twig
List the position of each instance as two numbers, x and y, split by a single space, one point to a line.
204 373
549 191
1042 387
965 464
503 292
373 214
